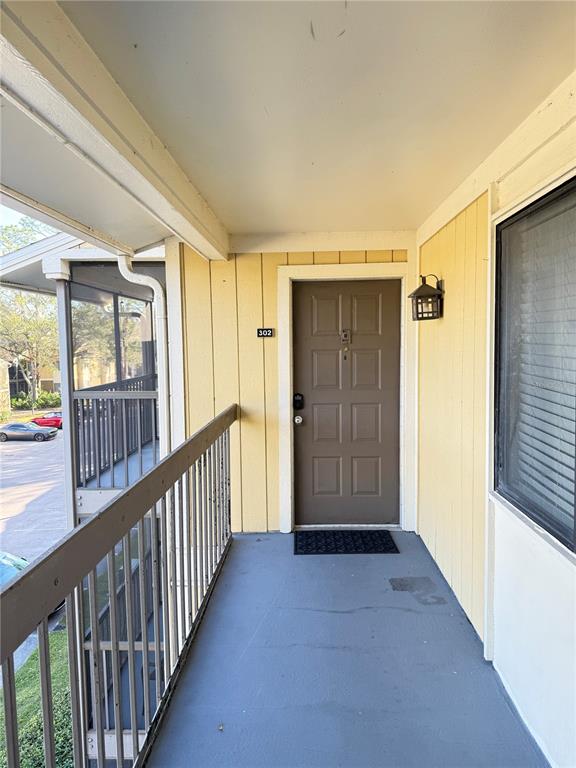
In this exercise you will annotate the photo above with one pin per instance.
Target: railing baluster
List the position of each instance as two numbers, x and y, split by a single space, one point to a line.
228 489
143 623
97 688
127 558
97 456
88 426
188 551
213 510
46 693
139 432
110 405
173 604
78 729
80 460
200 537
194 540
116 675
154 440
180 550
217 498
156 559
10 713
206 490
219 495
165 592
213 521
216 506
224 488
125 442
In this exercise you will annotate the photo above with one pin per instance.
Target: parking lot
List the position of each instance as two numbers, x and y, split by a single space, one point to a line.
32 516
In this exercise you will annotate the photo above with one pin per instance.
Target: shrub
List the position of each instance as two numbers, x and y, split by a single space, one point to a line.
23 401
48 400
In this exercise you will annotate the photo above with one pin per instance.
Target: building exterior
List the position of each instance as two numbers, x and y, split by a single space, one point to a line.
456 425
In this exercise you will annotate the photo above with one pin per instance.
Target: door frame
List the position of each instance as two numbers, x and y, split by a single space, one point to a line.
406 272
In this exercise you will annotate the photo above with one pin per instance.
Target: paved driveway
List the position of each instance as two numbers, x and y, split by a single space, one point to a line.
32 516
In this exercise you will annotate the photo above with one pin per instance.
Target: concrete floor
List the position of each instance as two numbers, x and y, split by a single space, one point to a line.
32 516
318 662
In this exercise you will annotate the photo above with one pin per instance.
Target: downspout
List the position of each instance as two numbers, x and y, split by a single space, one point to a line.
126 270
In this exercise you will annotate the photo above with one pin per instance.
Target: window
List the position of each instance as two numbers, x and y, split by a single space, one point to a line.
536 361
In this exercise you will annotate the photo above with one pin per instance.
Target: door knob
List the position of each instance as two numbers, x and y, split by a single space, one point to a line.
298 419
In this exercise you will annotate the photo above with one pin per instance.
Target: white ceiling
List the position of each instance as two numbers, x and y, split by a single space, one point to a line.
307 116
41 167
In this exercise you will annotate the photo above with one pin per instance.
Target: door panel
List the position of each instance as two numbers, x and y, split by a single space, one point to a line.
347 446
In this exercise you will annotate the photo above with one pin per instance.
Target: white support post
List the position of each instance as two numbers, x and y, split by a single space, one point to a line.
66 390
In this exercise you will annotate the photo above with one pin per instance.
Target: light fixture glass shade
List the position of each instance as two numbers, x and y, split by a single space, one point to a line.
427 301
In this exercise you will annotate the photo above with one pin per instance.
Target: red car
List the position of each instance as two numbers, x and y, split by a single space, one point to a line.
49 420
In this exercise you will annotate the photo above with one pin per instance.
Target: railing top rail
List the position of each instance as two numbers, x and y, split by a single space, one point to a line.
120 384
115 394
29 598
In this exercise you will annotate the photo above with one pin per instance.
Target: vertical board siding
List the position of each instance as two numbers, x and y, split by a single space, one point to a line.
452 407
270 264
300 258
252 388
326 257
225 364
223 305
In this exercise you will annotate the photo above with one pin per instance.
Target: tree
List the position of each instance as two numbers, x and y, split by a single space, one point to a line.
28 333
27 230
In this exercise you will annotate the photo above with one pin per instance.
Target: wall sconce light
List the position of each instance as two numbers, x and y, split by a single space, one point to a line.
427 302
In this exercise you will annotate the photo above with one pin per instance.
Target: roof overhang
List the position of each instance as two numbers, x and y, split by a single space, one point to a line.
35 267
52 76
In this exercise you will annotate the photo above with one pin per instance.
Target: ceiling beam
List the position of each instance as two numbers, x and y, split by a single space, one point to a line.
50 72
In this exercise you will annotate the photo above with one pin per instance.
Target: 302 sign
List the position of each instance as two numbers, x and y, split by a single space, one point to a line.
264 333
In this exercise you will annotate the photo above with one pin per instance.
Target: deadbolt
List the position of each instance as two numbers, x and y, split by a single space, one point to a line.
345 336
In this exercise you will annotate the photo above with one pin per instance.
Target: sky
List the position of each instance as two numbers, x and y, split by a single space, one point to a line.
8 216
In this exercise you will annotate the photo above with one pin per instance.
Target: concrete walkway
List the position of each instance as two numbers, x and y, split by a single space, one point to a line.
32 515
346 661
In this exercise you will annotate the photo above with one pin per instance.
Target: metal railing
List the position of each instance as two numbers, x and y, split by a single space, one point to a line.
135 578
114 422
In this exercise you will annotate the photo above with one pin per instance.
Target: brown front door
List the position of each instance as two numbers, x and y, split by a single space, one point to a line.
347 368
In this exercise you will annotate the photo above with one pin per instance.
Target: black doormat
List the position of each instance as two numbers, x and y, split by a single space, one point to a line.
344 543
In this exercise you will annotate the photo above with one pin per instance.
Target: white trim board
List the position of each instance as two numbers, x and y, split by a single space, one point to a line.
302 242
406 272
177 394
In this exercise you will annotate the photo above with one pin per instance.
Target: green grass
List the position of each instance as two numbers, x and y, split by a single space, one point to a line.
30 731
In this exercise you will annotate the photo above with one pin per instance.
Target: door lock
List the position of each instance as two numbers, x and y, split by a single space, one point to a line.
345 336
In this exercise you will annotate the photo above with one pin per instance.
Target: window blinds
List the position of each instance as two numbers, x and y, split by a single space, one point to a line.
536 354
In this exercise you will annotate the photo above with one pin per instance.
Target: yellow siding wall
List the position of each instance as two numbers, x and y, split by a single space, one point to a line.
452 407
223 305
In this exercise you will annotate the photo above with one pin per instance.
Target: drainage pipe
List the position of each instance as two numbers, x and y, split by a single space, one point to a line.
126 270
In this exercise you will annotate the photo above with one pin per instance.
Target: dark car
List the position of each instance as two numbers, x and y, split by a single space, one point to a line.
53 419
27 432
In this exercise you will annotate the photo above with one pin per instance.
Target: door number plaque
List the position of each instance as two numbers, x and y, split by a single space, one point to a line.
264 333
